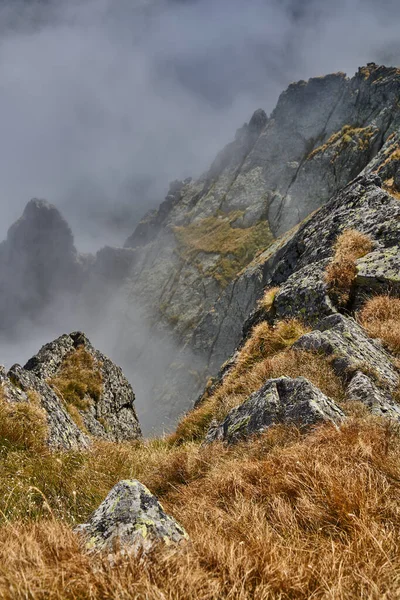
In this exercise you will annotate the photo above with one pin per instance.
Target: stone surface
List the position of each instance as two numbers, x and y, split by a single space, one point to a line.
282 400
113 415
17 386
378 273
378 401
351 350
130 519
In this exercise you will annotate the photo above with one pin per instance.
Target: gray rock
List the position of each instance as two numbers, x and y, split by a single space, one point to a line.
378 401
351 350
378 273
111 416
130 519
304 295
17 386
282 400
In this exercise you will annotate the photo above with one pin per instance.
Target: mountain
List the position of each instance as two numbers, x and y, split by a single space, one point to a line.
178 292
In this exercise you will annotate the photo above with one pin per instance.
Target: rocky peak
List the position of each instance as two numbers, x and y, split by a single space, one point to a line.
38 260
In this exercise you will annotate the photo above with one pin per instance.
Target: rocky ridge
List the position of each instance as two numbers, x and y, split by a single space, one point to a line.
90 398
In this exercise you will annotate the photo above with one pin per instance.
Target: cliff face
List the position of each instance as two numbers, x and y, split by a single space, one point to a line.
278 170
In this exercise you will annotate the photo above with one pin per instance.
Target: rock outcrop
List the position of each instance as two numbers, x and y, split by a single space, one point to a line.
19 386
283 400
106 405
350 349
82 392
130 520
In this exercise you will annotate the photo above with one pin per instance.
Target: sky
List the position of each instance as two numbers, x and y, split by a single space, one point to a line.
104 102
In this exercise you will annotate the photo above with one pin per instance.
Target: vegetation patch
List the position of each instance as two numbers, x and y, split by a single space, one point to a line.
267 301
79 380
355 138
340 273
237 246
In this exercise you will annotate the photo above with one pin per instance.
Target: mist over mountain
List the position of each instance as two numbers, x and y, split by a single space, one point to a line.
104 103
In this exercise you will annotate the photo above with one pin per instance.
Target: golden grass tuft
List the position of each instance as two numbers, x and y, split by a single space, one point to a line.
267 300
79 380
340 273
282 517
380 316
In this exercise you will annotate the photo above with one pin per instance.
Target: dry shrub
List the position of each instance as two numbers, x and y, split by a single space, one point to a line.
79 380
267 300
340 273
380 316
282 517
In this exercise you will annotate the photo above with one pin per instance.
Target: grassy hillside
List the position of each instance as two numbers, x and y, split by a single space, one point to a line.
281 516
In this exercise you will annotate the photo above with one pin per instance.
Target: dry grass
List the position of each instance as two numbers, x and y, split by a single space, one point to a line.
266 354
380 316
79 380
267 301
283 517
340 273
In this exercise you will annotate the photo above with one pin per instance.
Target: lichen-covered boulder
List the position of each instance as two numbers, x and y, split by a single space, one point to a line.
378 401
378 272
351 350
19 385
109 411
282 400
130 519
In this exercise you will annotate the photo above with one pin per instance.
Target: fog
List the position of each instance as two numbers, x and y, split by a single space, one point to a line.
104 102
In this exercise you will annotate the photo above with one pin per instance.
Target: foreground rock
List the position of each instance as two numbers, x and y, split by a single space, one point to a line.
130 519
108 411
282 400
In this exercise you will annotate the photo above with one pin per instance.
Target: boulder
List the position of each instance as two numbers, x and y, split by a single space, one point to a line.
130 519
282 400
378 273
378 401
351 350
304 295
